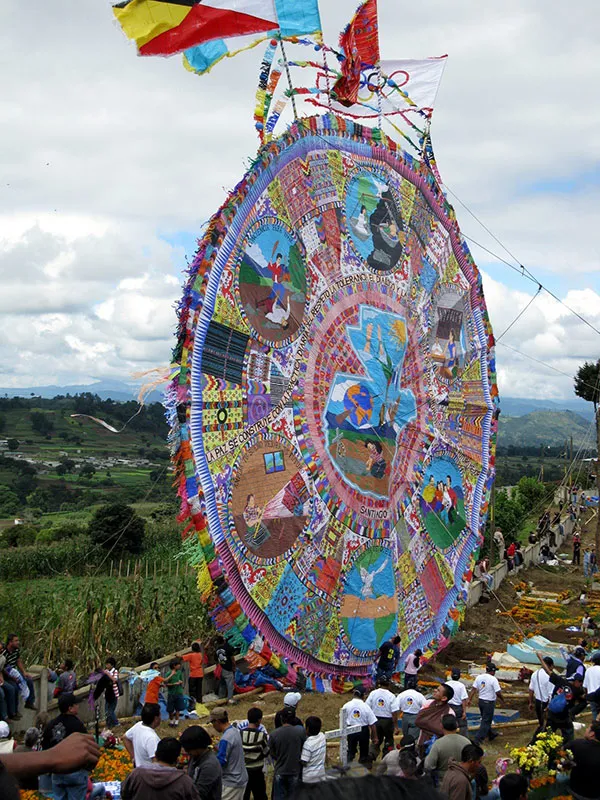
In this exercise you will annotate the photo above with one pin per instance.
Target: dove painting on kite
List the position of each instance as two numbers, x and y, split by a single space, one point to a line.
333 404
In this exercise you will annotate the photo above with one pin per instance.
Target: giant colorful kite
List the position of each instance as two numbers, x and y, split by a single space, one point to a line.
333 407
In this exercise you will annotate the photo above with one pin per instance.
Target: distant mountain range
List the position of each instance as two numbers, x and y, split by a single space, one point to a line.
523 421
519 406
548 428
115 390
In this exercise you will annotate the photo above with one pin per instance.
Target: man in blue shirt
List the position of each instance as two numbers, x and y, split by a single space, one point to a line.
230 754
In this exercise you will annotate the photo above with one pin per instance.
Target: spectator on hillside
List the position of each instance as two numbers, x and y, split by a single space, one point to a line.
411 669
203 768
576 553
314 752
585 775
154 685
449 746
255 744
30 741
540 692
175 696
286 745
518 557
457 781
291 701
61 727
499 542
513 787
67 680
429 718
12 654
141 740
460 700
591 683
225 657
391 763
488 690
409 703
480 574
109 686
196 661
230 754
382 703
160 780
387 662
568 700
8 697
7 743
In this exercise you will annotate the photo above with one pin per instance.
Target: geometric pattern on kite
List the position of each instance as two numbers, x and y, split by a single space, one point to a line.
334 451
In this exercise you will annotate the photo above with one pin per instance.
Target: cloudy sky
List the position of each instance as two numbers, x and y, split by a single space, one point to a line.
111 163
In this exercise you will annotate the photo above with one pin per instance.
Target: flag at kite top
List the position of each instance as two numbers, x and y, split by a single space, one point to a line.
359 42
208 30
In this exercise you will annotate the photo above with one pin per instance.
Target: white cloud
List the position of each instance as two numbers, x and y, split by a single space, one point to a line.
103 153
546 332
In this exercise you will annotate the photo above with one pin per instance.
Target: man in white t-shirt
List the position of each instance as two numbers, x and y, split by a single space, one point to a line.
540 692
381 702
489 690
409 703
591 683
459 701
357 712
141 740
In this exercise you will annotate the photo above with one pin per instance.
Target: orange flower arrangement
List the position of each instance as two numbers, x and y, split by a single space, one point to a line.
114 765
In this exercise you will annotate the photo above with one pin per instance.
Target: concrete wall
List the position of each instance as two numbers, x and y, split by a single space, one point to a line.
531 556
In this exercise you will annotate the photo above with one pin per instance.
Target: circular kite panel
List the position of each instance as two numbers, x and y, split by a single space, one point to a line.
334 408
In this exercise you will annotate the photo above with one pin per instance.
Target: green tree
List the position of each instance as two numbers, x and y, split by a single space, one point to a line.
87 471
41 423
9 502
531 493
2 423
587 386
507 514
13 444
118 528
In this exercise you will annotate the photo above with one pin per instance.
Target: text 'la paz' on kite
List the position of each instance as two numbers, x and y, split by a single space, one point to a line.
334 403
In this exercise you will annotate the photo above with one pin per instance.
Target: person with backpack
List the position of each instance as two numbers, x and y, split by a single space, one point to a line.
568 699
575 666
225 657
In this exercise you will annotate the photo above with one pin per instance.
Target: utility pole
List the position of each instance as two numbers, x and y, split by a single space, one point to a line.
597 409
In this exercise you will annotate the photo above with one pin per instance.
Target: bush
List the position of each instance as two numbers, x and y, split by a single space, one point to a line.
117 527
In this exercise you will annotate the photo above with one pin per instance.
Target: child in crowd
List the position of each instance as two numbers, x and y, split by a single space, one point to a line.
67 679
196 662
175 698
314 752
154 686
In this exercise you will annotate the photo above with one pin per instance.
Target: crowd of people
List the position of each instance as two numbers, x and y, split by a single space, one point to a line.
434 749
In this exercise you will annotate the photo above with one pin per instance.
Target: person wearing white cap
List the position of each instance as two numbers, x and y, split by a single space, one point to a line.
290 700
7 744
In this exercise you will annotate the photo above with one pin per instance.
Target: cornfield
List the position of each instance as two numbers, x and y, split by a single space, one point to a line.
134 619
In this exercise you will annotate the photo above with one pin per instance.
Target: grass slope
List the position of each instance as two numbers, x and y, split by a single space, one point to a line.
548 428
